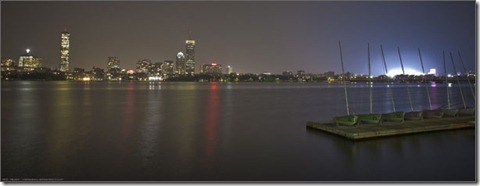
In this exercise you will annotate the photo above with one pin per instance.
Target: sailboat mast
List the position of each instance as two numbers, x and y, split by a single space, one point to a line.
458 81
468 79
386 72
370 79
424 79
446 79
403 71
343 74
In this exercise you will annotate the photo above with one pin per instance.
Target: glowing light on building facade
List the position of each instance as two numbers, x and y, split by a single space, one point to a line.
65 52
8 64
212 69
29 62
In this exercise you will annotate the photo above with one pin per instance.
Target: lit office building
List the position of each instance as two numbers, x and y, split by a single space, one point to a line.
190 57
168 67
156 69
212 69
29 62
143 65
180 63
8 64
229 69
65 52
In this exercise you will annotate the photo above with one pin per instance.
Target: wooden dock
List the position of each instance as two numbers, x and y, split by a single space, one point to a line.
392 128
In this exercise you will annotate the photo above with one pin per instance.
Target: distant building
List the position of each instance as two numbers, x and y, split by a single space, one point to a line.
113 62
98 74
287 73
229 69
180 63
156 69
114 72
212 69
143 65
78 73
8 64
168 67
190 57
65 52
29 62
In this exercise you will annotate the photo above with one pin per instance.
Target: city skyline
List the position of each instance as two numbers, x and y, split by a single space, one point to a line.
266 37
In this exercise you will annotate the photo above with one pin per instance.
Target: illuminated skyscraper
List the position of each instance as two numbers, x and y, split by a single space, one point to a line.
65 52
190 57
180 63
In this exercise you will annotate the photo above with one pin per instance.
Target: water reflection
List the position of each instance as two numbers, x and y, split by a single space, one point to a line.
154 85
150 130
212 131
60 143
211 120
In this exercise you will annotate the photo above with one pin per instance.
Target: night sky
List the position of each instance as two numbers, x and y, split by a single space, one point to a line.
250 36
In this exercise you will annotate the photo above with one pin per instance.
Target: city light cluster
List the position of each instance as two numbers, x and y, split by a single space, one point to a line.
183 68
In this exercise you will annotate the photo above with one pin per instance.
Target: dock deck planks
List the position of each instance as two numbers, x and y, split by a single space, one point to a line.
392 128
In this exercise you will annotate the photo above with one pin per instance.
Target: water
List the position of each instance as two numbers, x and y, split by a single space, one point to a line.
151 131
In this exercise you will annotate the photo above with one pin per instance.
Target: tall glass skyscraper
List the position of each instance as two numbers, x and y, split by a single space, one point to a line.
190 57
65 52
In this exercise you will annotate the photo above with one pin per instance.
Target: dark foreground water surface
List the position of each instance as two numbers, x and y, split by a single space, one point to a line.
152 131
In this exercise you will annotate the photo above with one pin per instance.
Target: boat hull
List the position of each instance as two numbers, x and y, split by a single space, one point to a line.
370 119
394 116
416 115
466 112
433 113
450 112
346 120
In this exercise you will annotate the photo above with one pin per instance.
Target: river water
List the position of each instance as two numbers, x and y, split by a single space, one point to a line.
162 131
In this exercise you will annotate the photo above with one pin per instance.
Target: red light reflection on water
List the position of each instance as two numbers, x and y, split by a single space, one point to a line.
211 119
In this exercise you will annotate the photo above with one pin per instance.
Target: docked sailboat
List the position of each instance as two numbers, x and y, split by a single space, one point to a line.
393 116
449 112
412 115
466 111
350 120
370 118
432 113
